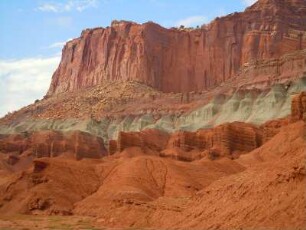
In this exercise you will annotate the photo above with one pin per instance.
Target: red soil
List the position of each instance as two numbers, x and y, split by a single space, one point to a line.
264 188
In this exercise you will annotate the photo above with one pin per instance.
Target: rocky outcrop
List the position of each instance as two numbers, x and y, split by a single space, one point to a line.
274 172
182 60
153 139
298 107
131 139
229 140
17 143
133 112
265 73
54 143
226 140
112 147
271 128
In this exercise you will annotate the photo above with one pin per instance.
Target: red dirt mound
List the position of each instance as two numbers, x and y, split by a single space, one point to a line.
51 186
269 194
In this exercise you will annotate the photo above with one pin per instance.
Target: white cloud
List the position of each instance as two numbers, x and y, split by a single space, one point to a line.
49 7
70 5
23 81
192 21
58 44
248 2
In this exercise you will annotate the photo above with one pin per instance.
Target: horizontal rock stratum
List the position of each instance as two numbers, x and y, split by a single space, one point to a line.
52 144
181 60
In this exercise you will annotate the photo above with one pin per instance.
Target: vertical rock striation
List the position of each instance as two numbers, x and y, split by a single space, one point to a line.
182 60
298 107
224 140
54 143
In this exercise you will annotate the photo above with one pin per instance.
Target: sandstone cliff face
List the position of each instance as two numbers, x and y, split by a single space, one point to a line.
229 140
298 107
52 144
152 139
13 143
182 60
112 147
271 128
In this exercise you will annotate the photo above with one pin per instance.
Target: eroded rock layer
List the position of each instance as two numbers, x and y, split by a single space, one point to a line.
153 139
298 108
225 140
53 143
134 111
230 139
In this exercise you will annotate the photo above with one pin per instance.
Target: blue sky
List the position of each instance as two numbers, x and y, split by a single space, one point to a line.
32 34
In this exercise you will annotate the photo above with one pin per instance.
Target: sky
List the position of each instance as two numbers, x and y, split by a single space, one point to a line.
33 32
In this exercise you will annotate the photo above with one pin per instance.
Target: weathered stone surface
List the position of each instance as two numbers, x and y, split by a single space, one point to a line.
271 128
112 147
229 140
12 159
153 139
225 140
54 143
182 60
15 143
298 107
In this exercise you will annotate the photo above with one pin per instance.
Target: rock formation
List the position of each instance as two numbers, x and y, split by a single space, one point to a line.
112 147
153 139
152 192
199 125
275 172
180 60
52 144
229 140
271 128
298 107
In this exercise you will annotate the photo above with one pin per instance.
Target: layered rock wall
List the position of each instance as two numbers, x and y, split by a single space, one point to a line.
224 140
112 147
271 128
153 139
182 60
298 107
251 106
230 139
52 144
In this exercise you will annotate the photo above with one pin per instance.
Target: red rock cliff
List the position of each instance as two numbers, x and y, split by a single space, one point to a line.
298 107
182 60
54 143
224 140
